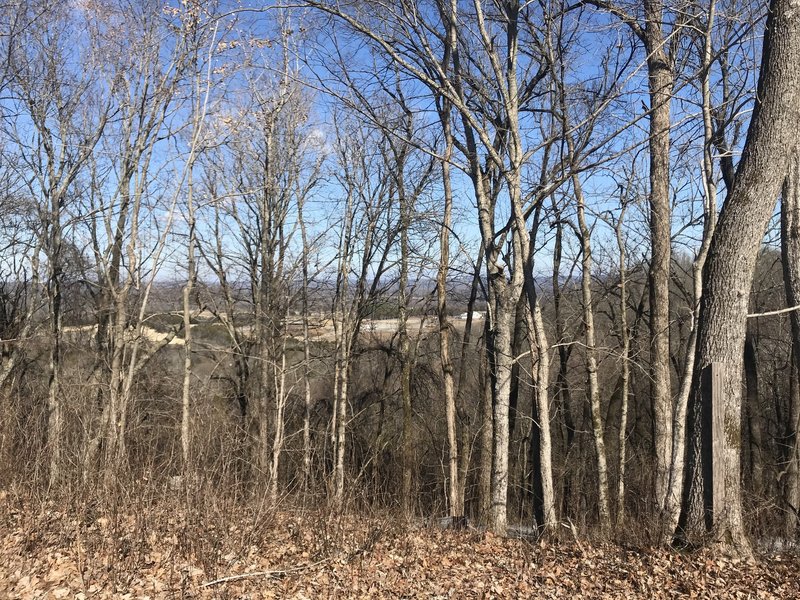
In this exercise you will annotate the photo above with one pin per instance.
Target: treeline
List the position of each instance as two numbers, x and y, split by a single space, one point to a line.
590 183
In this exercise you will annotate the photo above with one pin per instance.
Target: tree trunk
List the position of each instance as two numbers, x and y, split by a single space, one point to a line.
405 353
545 508
55 416
486 433
187 330
626 371
673 500
660 81
791 489
307 400
278 436
501 368
790 258
465 457
563 396
455 498
598 427
340 430
755 437
712 500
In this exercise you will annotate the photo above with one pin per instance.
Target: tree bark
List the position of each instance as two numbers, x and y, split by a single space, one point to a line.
673 500
626 370
545 507
455 498
790 259
307 400
755 438
405 345
598 426
712 503
563 395
486 433
660 81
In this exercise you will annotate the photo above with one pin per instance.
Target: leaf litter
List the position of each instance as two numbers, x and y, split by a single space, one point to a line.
58 553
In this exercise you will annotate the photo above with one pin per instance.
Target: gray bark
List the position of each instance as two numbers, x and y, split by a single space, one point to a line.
790 259
715 506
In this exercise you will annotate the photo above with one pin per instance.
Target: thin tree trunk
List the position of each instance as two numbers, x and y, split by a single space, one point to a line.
187 332
673 501
341 331
307 399
405 356
626 370
661 80
341 416
754 417
55 417
547 519
465 456
486 434
598 427
278 437
562 396
790 259
455 489
791 489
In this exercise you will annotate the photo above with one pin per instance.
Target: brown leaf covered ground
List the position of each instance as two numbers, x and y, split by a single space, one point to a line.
81 552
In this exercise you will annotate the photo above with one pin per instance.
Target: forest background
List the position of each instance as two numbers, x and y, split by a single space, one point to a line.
532 266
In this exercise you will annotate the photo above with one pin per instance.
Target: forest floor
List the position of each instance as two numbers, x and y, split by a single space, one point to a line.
81 552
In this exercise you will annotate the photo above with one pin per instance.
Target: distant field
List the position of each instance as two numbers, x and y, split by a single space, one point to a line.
319 330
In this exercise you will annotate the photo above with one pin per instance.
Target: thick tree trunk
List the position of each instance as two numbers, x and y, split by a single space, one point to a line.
715 505
502 366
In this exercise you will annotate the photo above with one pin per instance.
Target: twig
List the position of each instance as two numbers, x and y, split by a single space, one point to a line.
278 573
774 312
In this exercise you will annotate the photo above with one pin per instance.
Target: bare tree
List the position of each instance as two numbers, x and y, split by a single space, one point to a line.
661 47
715 505
50 89
366 236
260 178
711 132
203 34
625 359
150 67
